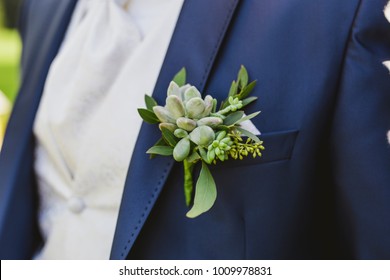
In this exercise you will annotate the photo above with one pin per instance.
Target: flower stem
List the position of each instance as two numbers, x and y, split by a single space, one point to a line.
188 183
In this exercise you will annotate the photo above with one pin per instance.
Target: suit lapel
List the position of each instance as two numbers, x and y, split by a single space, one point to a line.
197 37
41 44
42 31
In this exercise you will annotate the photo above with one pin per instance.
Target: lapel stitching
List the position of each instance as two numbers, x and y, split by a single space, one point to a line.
150 203
168 166
225 26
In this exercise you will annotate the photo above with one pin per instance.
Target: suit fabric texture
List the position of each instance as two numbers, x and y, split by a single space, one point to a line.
321 189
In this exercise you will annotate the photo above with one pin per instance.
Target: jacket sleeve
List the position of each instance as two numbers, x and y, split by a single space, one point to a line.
359 151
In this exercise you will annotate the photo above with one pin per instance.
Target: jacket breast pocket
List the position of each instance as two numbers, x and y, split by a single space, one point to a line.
278 147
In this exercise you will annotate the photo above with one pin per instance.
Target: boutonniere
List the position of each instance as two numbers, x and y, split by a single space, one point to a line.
194 132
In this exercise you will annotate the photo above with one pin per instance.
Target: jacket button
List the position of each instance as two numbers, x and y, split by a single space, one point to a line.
76 205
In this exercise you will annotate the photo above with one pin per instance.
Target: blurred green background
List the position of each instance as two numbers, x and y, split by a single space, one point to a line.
10 48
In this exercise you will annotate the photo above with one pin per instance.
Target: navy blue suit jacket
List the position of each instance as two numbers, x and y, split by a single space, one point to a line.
322 188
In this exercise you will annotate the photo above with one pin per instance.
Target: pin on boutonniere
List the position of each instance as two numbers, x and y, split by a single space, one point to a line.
195 132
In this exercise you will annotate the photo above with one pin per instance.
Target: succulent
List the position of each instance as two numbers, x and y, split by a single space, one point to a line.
202 135
170 126
175 106
212 122
186 123
219 147
184 108
193 131
182 149
164 115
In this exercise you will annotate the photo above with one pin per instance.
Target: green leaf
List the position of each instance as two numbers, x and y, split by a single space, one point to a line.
148 116
150 102
248 100
203 154
160 142
242 79
233 89
233 118
194 157
223 127
160 150
180 77
247 90
214 105
205 193
251 116
224 104
249 134
169 137
232 92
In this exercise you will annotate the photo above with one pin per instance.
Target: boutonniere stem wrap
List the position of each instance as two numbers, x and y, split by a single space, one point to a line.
194 132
